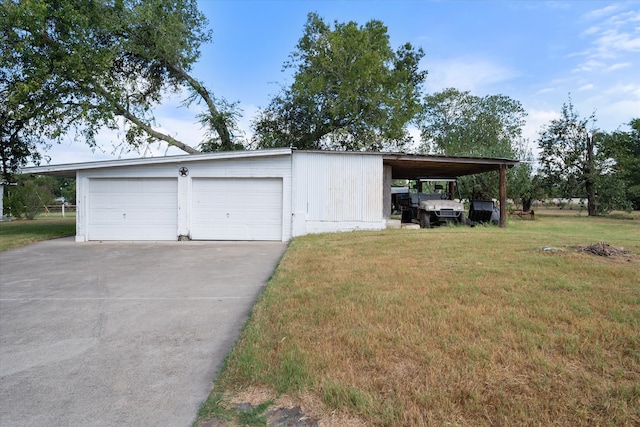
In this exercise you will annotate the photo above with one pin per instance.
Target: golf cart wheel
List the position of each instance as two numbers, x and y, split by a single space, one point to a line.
425 221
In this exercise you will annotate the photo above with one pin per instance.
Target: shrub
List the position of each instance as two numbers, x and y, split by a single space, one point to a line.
29 197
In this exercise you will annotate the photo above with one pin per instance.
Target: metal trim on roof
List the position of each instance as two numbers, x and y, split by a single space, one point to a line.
447 159
187 158
404 166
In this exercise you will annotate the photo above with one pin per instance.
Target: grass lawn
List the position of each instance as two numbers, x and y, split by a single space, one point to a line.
19 233
449 326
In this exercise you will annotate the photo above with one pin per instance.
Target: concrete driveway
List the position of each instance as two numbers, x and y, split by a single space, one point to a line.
108 334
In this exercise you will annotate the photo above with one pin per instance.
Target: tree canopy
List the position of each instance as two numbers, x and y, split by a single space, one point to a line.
456 123
350 91
570 159
622 149
18 142
83 65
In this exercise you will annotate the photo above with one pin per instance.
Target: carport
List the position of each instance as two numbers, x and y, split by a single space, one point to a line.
412 166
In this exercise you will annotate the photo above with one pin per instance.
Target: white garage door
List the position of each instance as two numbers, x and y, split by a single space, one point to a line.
133 209
236 209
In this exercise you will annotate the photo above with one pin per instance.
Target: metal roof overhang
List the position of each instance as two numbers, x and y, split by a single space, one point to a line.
404 166
413 166
69 170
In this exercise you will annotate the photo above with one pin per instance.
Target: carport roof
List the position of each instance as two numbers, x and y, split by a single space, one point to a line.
404 166
412 166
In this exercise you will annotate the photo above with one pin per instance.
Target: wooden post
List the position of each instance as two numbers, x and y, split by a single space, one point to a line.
386 191
503 196
452 189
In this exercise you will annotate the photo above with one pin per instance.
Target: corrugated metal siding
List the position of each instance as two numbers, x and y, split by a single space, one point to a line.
338 187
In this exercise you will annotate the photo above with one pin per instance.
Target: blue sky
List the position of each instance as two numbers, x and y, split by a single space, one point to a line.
536 52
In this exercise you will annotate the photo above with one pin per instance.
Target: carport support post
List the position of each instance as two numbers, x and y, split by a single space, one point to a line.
386 191
452 189
503 196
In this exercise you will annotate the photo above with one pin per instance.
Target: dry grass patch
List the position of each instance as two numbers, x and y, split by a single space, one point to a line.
452 326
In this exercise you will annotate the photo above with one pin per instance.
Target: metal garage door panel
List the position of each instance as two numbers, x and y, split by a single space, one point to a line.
236 209
133 209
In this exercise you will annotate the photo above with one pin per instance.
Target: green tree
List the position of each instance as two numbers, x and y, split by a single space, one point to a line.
570 161
66 187
18 144
623 150
78 66
524 184
22 124
456 123
350 91
29 196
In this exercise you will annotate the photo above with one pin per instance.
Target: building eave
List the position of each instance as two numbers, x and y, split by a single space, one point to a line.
69 170
404 166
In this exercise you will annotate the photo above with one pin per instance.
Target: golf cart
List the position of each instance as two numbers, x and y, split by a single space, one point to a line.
428 204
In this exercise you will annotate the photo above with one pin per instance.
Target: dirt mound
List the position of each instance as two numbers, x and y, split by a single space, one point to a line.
293 417
603 249
275 417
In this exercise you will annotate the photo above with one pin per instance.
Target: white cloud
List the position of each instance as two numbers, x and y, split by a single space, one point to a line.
613 106
557 4
591 30
600 13
612 42
73 152
466 73
590 65
618 33
628 89
619 66
624 18
588 86
536 119
617 113
614 35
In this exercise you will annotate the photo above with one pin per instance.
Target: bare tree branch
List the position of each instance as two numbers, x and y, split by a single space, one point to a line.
219 125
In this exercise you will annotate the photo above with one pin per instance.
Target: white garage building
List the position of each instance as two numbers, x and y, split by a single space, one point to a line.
246 195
